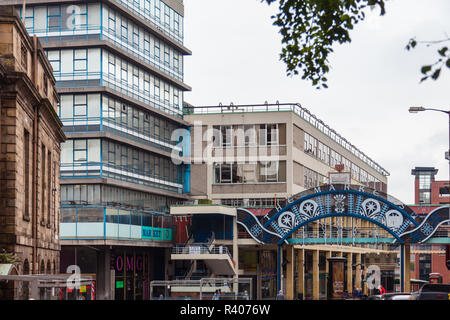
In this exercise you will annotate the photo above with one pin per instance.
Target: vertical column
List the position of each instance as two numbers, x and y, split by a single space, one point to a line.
327 269
279 268
349 273
315 267
407 266
235 254
358 271
259 276
301 272
290 272
103 283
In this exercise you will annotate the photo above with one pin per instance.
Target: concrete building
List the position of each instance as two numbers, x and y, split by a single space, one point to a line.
254 157
230 141
429 194
118 66
30 137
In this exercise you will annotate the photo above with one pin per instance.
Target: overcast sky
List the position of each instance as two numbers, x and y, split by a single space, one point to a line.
372 83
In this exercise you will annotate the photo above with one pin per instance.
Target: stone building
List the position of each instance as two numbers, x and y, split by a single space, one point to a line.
30 138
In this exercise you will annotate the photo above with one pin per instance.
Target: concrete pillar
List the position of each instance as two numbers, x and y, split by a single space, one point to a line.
407 266
103 283
358 271
290 272
315 276
281 269
349 273
301 272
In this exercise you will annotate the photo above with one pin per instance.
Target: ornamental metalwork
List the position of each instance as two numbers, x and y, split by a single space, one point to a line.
355 201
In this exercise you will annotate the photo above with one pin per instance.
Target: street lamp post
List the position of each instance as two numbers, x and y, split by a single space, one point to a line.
447 154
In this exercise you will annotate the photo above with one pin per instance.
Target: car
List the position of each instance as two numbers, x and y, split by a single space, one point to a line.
396 296
374 297
433 291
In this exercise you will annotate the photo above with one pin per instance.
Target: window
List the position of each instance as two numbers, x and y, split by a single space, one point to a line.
146 47
135 79
43 181
80 60
176 63
49 185
226 135
166 93
45 83
310 145
124 31
166 57
54 57
124 72
156 50
112 65
24 56
146 85
166 16
157 11
156 89
80 106
80 150
112 22
249 135
26 164
135 38
53 18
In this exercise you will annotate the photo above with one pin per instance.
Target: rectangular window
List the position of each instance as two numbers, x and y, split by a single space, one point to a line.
49 186
112 22
43 182
80 106
54 57
146 47
166 58
80 60
166 16
136 38
226 135
112 65
80 150
157 10
156 50
53 18
135 79
124 31
26 164
176 63
124 72
156 89
166 93
24 56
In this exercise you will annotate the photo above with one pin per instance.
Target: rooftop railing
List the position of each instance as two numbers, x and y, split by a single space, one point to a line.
304 113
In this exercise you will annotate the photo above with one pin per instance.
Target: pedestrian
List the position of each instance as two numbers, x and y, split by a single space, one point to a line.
245 295
216 295
280 295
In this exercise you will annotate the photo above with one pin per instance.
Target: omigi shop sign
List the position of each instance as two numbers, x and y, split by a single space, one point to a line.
150 233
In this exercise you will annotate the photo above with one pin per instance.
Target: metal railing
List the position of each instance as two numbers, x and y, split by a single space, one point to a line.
80 79
103 124
154 21
304 113
123 173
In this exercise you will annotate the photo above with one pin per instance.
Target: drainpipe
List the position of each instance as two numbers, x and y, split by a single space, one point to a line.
35 155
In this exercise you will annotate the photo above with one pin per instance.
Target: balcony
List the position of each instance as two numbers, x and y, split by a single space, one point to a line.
108 223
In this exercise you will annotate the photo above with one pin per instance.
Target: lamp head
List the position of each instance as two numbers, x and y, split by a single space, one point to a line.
416 109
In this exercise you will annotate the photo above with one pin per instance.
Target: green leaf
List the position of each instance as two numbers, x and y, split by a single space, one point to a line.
425 69
443 51
436 74
448 63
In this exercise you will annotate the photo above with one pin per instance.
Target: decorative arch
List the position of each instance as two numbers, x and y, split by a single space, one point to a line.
49 267
356 201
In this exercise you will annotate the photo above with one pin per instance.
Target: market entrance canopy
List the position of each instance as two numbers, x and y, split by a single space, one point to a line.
343 200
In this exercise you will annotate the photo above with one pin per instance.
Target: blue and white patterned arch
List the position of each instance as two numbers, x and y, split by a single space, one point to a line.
336 201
